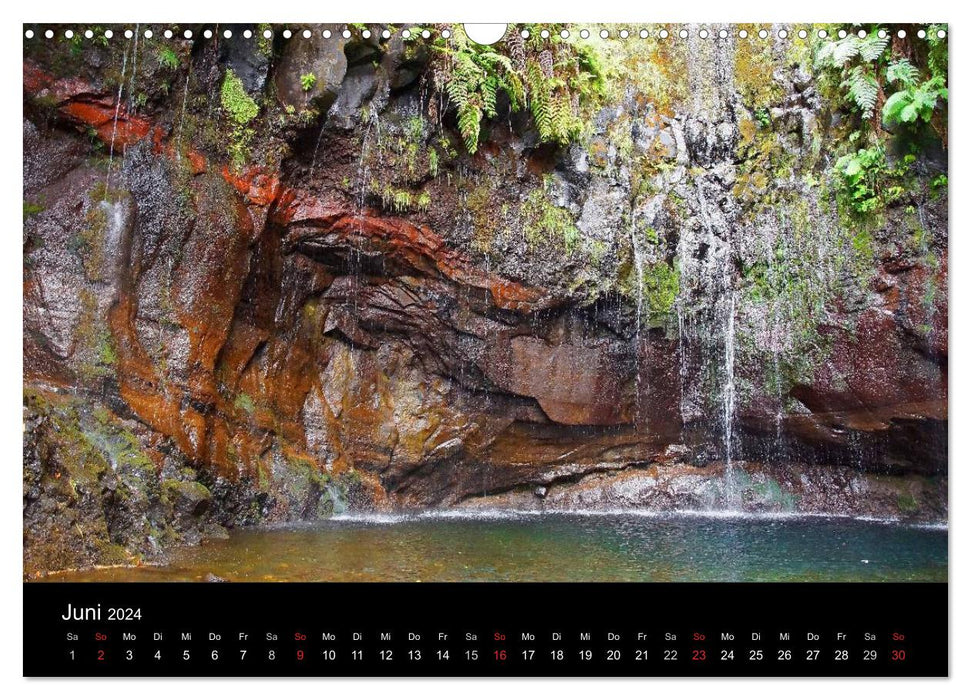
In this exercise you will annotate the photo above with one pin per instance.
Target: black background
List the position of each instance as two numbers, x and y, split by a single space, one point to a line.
916 610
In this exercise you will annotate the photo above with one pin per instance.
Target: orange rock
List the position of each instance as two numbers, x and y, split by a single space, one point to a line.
101 117
256 186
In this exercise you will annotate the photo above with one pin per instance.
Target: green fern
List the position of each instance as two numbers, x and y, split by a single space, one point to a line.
470 117
551 80
872 46
862 89
915 102
838 53
902 71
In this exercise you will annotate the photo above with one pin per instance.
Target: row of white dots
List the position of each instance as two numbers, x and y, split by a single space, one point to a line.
246 34
445 33
723 34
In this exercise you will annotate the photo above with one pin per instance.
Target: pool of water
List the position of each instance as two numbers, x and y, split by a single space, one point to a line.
560 547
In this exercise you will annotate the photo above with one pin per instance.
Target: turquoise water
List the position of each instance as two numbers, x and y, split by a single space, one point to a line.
560 547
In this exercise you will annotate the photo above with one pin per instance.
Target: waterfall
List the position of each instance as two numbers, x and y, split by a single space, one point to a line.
728 401
114 123
134 70
337 499
712 321
639 268
185 98
320 135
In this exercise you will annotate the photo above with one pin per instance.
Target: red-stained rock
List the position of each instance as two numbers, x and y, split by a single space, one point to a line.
256 186
82 104
121 132
418 247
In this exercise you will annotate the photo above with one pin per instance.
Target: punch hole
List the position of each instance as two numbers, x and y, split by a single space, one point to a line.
486 34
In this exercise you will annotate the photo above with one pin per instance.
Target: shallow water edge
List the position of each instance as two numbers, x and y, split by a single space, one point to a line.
522 546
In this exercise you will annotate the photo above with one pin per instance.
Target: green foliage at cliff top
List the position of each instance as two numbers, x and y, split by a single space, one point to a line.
554 79
904 81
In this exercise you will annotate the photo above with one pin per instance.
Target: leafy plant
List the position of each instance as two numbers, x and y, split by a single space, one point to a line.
837 53
551 78
865 182
916 99
869 69
854 57
307 81
939 185
762 118
167 57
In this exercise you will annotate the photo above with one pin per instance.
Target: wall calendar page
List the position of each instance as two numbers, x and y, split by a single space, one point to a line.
485 350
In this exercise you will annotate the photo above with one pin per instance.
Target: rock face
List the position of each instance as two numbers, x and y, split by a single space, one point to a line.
344 321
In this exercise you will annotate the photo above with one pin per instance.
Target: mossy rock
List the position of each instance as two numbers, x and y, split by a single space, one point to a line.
907 503
186 497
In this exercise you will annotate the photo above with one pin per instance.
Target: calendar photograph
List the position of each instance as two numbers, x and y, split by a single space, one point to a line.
399 303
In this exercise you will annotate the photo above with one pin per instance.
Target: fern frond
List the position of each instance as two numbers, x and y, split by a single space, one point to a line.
904 72
894 106
489 87
470 117
863 90
843 50
872 45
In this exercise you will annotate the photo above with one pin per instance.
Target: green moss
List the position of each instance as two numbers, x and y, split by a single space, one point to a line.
662 282
544 222
112 553
31 209
906 503
656 288
82 461
244 402
862 243
479 204
88 243
106 350
307 81
415 128
264 44
192 491
308 489
121 446
97 355
167 57
754 64
241 108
